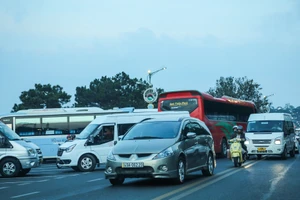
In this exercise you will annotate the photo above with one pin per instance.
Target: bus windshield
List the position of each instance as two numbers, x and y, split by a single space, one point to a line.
265 126
11 135
181 104
86 132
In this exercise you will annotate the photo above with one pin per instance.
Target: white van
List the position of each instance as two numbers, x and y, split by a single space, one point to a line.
93 144
17 156
270 134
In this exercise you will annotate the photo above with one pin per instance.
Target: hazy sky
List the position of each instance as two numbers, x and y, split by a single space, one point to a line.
71 42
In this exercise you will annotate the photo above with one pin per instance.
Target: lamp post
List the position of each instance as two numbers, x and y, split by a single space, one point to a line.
150 74
268 105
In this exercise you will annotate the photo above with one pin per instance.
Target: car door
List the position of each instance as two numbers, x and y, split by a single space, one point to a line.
190 146
204 143
101 144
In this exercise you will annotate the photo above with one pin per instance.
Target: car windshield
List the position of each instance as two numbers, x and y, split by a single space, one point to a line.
10 134
84 134
153 130
265 126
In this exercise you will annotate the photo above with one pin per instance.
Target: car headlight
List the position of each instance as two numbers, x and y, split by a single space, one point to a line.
31 152
166 153
70 148
111 156
277 140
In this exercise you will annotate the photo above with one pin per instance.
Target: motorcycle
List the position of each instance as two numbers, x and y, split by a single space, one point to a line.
236 153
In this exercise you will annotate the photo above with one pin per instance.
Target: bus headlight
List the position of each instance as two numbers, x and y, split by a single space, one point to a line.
277 141
70 148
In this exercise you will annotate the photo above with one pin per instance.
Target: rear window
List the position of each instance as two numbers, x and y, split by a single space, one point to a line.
184 104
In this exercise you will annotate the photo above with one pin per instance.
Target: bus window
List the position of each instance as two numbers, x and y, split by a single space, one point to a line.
28 126
55 125
78 123
183 104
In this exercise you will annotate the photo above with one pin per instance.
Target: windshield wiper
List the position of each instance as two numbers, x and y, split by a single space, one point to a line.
146 137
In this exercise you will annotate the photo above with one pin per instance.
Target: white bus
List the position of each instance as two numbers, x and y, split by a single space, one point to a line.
49 128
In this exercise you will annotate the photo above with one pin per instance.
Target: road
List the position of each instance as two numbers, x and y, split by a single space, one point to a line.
269 178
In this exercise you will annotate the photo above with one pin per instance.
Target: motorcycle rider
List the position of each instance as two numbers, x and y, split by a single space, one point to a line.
239 133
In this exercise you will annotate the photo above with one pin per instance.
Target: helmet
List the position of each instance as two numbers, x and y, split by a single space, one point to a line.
240 128
234 127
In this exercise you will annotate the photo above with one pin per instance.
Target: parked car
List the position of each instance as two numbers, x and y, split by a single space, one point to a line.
169 147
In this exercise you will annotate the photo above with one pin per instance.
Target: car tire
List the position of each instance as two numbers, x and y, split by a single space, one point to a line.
117 181
23 172
86 163
258 156
223 153
10 167
181 171
292 152
284 154
210 166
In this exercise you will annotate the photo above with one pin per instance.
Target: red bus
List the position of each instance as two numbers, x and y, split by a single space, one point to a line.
219 114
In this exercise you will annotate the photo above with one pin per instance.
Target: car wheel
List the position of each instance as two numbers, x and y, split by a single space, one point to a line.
224 148
117 181
9 167
87 163
292 152
284 154
180 171
209 169
23 172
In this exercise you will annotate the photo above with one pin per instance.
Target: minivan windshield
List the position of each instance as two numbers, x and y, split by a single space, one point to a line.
10 134
265 126
84 134
153 130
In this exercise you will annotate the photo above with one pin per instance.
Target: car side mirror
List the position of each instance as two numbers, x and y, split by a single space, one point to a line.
2 141
120 137
91 139
191 135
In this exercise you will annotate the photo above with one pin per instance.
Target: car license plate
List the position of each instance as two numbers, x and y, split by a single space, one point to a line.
261 149
132 165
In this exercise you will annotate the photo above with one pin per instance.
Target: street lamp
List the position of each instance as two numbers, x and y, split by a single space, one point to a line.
268 96
268 104
150 74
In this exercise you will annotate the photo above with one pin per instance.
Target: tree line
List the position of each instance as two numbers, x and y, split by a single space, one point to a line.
122 91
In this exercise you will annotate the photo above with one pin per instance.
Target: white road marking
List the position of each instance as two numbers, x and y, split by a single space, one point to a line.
41 181
209 181
23 195
25 183
1 188
98 179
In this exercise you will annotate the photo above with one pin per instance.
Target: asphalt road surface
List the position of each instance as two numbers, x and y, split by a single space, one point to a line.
267 179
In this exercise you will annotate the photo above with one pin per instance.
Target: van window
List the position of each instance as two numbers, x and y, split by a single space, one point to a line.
123 128
265 126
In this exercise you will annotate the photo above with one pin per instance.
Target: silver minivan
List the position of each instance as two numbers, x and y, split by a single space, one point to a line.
169 147
17 156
